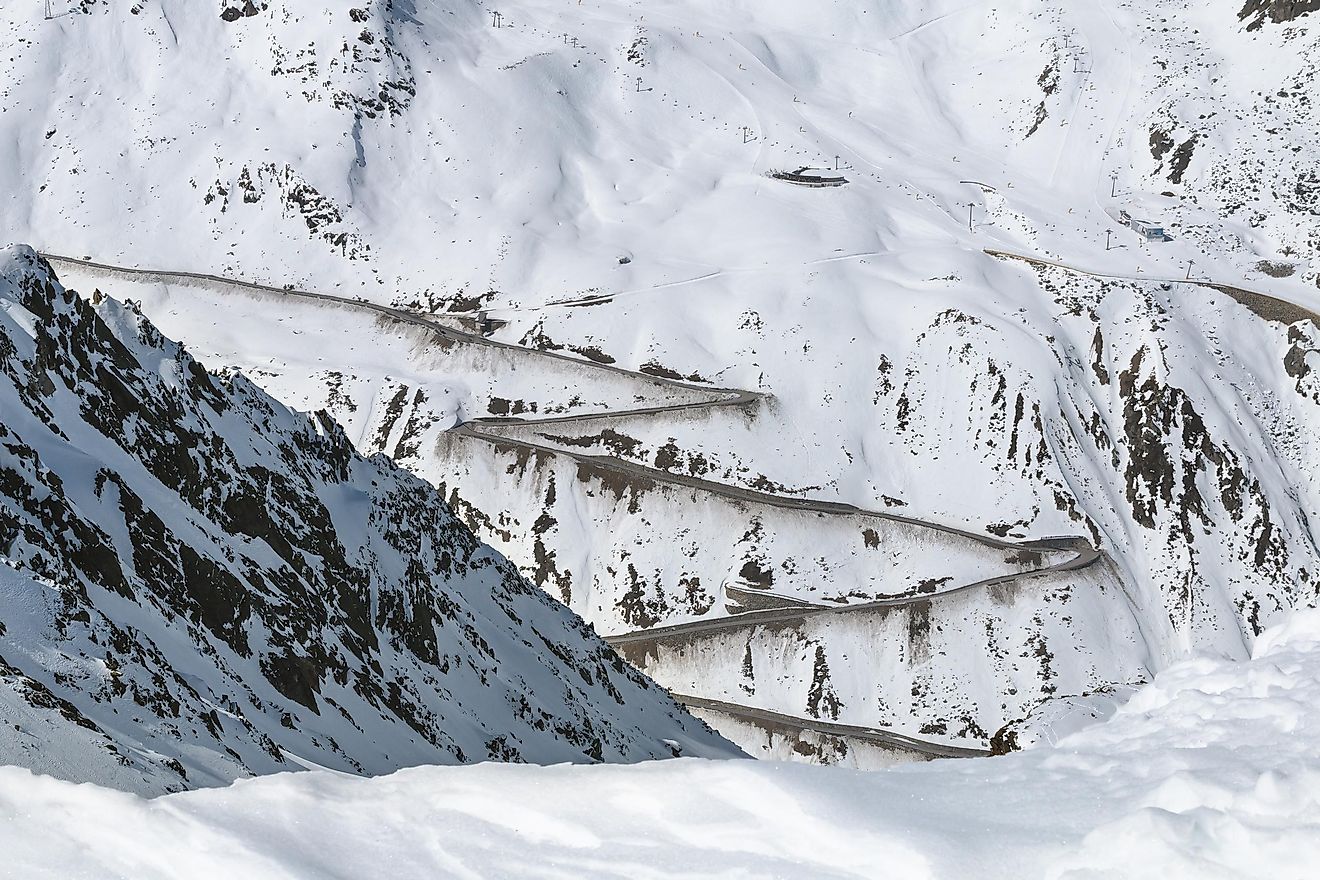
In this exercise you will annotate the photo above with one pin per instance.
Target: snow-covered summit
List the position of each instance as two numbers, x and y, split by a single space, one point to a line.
199 584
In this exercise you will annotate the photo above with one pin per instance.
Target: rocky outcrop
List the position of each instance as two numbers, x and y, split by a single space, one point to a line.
200 584
1277 11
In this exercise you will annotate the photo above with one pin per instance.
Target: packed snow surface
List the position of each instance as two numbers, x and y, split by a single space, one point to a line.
1209 772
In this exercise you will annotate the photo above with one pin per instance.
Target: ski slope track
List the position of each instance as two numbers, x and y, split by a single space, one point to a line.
488 430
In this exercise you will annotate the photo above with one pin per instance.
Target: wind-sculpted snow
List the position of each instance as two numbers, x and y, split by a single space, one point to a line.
1209 772
199 584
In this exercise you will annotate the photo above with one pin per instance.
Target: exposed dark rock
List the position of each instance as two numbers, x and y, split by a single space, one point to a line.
1277 11
212 549
1182 157
232 11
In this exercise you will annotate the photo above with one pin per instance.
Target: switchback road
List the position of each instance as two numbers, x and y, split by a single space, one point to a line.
1079 553
878 736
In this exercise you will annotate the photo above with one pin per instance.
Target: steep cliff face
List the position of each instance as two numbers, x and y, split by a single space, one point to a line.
200 584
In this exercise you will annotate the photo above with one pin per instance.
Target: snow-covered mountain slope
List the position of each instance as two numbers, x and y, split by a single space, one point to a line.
1210 772
970 631
595 176
413 151
200 584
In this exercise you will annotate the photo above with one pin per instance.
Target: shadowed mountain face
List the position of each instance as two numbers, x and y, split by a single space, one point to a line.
200 584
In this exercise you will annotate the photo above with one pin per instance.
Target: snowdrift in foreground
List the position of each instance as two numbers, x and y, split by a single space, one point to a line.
1209 772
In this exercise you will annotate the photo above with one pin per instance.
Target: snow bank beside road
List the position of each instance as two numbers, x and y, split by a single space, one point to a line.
1210 772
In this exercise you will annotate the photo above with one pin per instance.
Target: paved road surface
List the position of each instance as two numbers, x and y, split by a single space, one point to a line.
875 735
1085 555
1271 308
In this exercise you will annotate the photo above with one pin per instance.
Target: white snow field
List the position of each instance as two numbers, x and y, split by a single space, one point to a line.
597 176
1209 772
946 454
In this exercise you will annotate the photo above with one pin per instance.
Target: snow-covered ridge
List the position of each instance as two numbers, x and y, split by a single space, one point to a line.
417 152
201 584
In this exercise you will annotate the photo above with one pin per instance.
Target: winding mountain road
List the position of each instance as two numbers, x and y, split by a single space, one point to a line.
878 736
1079 552
1085 555
1271 308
